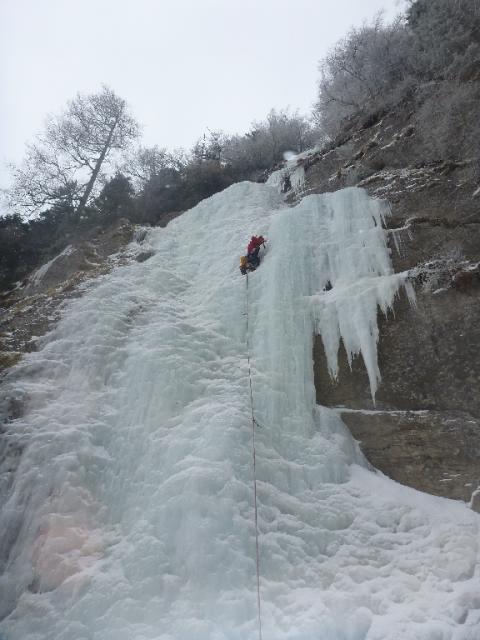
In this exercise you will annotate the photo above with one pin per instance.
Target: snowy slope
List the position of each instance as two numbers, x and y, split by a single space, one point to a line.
131 516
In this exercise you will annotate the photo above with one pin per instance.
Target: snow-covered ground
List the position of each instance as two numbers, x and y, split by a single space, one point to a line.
132 512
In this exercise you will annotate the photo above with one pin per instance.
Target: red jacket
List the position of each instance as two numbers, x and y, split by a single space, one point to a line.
255 241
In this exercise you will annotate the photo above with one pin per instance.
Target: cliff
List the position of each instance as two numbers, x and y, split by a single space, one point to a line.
423 428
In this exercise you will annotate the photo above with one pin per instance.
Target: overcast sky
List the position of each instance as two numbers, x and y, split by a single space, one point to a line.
182 65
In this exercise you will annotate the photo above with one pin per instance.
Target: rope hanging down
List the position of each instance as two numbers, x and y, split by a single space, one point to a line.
254 424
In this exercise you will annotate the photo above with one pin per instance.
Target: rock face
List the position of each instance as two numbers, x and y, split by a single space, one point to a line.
30 310
426 357
424 428
434 451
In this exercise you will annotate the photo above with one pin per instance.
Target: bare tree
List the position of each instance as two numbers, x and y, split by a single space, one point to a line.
266 142
64 163
144 164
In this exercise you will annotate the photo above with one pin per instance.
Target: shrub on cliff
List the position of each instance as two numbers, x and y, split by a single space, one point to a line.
115 200
366 71
446 36
377 65
17 253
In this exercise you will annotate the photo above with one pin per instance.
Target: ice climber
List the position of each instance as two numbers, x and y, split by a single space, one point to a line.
251 261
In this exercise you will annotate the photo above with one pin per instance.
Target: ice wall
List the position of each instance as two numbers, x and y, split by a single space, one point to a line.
130 516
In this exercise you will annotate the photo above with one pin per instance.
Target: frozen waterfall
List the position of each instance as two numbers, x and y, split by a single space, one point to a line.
130 516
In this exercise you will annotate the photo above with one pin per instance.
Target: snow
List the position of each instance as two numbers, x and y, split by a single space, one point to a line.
376 412
131 516
390 144
40 273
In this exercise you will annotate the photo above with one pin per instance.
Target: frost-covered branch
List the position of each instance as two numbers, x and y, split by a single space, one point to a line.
65 162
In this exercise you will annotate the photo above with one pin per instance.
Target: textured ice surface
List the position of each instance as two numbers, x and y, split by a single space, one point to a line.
297 179
131 514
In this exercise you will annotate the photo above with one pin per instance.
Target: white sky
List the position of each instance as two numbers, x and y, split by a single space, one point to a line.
182 65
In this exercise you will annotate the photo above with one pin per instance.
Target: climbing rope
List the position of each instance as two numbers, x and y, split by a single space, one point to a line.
254 424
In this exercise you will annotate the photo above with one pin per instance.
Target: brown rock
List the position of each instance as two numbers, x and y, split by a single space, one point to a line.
433 451
424 428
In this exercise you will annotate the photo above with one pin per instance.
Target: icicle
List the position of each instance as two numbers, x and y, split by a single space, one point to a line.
297 180
276 178
353 243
